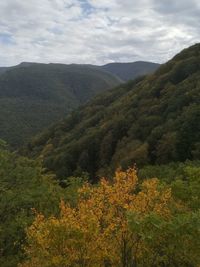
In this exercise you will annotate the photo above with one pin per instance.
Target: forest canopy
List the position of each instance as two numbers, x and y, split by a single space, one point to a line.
122 223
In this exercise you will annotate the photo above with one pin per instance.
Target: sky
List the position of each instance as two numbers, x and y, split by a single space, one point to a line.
96 31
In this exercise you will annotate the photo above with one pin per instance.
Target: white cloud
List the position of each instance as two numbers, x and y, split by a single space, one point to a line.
96 31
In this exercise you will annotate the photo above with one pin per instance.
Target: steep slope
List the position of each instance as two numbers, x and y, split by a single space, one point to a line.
154 119
129 71
32 96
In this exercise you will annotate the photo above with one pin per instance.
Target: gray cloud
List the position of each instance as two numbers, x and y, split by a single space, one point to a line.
96 31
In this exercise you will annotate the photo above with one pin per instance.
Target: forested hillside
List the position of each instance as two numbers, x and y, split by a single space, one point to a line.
125 220
72 217
25 190
154 119
33 96
99 143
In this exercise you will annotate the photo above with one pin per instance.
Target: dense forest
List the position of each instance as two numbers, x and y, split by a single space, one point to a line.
153 119
114 184
33 96
133 219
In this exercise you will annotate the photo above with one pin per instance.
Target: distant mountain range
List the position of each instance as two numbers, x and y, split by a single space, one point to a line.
33 95
153 119
129 71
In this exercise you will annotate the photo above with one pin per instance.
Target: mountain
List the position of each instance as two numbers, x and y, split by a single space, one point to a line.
153 119
33 96
3 69
23 64
129 71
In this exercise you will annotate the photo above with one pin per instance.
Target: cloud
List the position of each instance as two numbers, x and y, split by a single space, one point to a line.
94 31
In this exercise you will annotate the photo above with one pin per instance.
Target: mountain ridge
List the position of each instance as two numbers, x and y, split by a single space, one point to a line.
131 69
153 119
123 70
34 96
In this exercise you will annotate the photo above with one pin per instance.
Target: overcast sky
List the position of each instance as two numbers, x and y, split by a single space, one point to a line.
96 31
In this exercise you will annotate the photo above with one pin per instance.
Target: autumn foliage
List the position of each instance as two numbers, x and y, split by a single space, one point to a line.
97 231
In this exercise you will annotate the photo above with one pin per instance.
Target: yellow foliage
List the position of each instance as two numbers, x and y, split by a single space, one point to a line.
96 232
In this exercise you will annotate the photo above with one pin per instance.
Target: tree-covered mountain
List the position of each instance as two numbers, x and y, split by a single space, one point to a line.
129 71
154 119
33 96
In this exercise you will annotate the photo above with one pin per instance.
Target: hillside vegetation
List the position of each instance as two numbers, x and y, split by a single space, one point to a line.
126 220
24 191
57 211
154 119
33 96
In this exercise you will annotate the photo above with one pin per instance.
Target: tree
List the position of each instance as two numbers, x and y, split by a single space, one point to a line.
23 186
168 242
97 232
